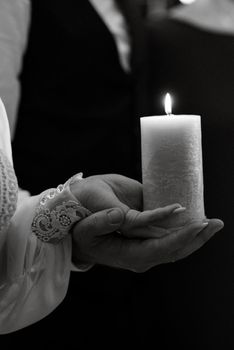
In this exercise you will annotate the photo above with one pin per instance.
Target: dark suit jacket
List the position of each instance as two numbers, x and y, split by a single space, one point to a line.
79 109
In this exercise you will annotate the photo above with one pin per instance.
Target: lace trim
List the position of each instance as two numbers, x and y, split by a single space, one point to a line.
8 191
57 212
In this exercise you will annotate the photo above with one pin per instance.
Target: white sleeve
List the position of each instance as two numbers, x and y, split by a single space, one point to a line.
34 273
14 24
35 256
35 277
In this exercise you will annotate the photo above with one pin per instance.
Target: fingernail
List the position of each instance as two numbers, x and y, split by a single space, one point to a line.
115 216
179 210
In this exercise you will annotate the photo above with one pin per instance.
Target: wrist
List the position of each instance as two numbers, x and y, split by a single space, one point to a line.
57 212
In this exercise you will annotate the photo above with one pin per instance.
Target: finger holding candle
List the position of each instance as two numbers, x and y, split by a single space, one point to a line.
144 233
149 217
147 224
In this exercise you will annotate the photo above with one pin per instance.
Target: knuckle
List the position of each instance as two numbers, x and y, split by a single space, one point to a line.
91 224
95 220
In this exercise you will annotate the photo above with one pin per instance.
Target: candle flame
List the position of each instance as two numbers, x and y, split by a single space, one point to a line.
168 104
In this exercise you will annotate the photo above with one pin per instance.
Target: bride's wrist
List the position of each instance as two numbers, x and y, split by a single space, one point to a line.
58 210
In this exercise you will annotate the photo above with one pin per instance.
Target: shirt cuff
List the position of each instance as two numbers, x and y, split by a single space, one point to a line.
57 212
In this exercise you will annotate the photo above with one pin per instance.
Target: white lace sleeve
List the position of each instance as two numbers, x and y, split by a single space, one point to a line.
34 272
8 195
8 181
37 253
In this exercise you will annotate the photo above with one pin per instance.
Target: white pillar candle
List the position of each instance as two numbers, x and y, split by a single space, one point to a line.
172 164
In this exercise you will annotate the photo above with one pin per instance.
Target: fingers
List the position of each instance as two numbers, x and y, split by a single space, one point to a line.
141 255
214 226
166 246
147 224
135 219
96 195
183 236
137 255
128 191
150 217
100 223
177 245
145 232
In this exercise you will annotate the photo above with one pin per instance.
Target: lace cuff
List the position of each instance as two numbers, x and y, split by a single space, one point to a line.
57 212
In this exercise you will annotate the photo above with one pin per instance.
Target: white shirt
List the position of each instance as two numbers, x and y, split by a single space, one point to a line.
115 22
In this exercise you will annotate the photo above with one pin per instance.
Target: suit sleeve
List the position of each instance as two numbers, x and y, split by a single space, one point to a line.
35 274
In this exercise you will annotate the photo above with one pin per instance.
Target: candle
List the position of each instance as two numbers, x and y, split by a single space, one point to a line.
172 164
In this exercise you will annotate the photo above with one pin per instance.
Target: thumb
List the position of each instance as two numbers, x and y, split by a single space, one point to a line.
100 223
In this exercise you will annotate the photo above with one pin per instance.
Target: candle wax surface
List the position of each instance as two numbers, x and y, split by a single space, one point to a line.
172 165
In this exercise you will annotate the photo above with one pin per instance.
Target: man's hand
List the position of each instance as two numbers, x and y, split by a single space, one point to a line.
96 241
118 234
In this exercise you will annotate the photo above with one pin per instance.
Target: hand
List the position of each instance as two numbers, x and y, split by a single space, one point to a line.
96 242
107 191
